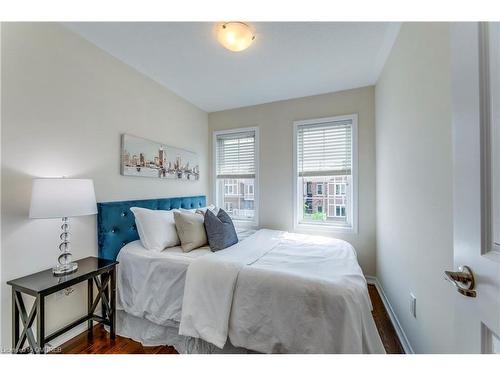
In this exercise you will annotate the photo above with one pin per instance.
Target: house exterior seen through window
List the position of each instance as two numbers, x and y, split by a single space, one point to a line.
235 180
325 171
334 197
239 198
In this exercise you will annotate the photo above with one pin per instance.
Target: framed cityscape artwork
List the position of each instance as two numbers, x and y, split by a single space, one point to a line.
145 158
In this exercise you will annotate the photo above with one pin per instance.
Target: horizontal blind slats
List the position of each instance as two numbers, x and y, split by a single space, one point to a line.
325 149
236 155
326 173
234 176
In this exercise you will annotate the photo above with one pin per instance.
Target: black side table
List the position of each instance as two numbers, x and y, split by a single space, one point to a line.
102 272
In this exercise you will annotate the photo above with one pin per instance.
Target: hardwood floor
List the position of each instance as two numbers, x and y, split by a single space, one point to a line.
383 322
101 344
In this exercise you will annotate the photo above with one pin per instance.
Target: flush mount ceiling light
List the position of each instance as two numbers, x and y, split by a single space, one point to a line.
235 36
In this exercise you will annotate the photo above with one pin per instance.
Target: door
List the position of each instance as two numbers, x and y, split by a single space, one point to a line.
475 60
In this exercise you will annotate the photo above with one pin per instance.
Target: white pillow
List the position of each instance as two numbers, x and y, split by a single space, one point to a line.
199 210
211 207
191 230
156 228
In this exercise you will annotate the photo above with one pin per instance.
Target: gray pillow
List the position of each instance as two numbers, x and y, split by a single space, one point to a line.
220 230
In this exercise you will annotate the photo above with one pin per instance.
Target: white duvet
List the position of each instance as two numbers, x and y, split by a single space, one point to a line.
278 292
150 284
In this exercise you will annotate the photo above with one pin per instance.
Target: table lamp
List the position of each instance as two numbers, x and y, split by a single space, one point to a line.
63 198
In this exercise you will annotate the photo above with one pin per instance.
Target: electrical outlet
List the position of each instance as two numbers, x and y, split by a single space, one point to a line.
413 305
63 293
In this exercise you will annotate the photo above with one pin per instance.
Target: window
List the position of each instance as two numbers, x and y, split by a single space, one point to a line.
249 190
230 187
325 163
309 188
236 173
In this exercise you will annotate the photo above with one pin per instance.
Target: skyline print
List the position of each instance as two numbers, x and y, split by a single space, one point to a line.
147 158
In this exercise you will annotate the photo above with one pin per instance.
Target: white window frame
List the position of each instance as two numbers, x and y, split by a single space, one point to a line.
320 184
233 185
256 186
247 190
321 226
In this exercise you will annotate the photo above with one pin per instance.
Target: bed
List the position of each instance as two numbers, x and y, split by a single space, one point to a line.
273 292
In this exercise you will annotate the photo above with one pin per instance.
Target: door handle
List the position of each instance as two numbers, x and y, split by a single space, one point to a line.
463 281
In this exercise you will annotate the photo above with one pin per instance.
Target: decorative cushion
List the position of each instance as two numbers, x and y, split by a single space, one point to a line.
220 230
190 229
156 228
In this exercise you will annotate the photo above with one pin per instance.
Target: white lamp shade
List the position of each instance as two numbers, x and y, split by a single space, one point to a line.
62 197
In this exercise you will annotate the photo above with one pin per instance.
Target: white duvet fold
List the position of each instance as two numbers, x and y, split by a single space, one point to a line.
210 283
279 292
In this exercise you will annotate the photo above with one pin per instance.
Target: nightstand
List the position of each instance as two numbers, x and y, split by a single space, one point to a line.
100 272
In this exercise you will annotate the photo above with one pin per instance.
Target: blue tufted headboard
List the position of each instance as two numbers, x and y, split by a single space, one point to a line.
116 223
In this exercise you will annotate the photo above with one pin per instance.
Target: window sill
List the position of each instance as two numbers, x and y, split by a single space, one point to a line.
323 228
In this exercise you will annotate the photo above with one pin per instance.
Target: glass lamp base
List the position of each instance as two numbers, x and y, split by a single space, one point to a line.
64 269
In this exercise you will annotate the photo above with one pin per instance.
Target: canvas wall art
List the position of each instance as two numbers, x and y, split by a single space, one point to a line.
146 158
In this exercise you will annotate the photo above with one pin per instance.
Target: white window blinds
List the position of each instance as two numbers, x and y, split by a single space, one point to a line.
324 149
236 155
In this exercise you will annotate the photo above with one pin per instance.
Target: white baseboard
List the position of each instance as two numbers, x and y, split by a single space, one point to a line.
392 315
58 341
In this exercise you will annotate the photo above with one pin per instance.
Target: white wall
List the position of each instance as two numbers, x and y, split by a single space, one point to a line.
1 288
414 183
65 103
275 121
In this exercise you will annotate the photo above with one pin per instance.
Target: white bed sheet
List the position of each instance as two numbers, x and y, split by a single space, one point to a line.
150 334
280 292
150 284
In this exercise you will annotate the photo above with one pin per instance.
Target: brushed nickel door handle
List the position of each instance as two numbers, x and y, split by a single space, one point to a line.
463 281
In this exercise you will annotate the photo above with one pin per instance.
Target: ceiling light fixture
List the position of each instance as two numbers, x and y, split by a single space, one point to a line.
235 36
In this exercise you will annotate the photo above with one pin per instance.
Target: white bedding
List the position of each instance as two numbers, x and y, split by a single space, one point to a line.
281 292
273 292
151 284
